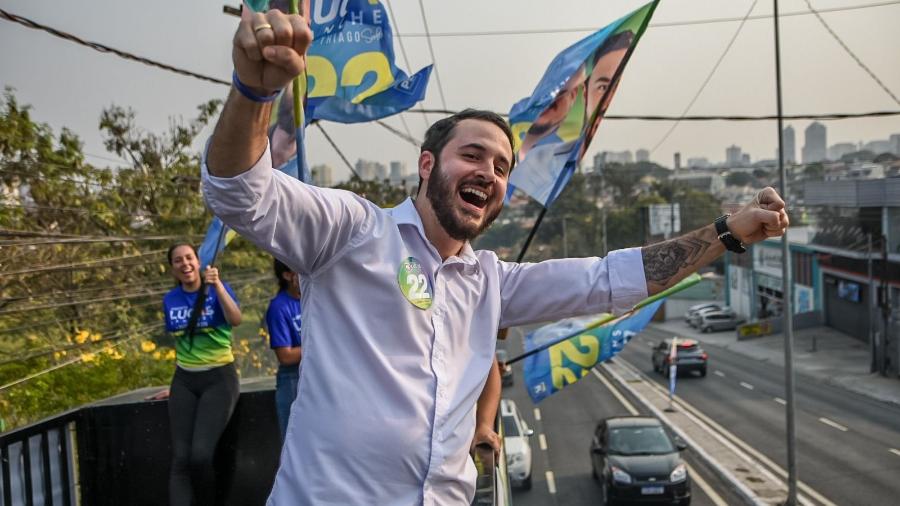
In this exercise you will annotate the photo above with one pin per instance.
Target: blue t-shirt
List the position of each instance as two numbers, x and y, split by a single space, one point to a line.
283 320
211 345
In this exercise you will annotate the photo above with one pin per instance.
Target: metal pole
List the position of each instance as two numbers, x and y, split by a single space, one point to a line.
603 210
787 310
564 239
871 295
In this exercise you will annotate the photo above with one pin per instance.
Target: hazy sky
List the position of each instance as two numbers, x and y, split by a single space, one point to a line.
68 85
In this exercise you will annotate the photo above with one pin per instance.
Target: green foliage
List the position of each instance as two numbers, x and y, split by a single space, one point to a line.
740 179
82 260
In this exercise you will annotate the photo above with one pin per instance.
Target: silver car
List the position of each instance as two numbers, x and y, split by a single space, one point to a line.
700 307
718 320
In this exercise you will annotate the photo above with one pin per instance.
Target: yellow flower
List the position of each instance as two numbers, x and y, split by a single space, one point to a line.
57 355
245 343
95 337
81 336
157 355
148 346
88 357
170 355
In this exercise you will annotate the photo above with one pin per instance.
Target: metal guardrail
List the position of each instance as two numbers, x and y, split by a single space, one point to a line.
37 463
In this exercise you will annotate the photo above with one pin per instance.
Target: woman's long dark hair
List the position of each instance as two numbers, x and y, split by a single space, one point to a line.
280 269
199 303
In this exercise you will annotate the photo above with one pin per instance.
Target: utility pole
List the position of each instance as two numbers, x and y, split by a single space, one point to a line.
885 307
564 239
603 210
787 310
872 296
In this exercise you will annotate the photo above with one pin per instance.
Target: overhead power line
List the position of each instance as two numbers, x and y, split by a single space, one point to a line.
405 60
337 149
106 49
437 75
485 33
86 263
852 54
709 76
762 117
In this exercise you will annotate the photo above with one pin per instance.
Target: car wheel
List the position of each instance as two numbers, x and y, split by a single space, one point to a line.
706 330
685 502
594 474
666 371
703 372
526 484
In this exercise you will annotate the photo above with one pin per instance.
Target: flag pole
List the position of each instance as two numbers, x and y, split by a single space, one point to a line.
687 282
299 84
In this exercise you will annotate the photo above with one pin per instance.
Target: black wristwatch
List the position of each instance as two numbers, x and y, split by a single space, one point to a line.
730 242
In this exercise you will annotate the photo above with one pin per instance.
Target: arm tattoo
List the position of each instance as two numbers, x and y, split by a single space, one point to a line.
662 261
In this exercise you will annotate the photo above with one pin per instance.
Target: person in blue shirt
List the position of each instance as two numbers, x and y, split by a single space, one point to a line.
205 386
283 322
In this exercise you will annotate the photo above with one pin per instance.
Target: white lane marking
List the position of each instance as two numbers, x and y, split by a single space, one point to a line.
895 451
833 424
551 483
719 373
781 401
722 432
649 343
631 409
713 496
537 414
748 386
543 441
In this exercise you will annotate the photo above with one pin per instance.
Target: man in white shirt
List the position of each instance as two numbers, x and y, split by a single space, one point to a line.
400 314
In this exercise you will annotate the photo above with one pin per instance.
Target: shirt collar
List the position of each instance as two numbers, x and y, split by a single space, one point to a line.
407 214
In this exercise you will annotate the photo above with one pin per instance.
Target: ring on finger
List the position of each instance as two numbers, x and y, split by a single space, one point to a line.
262 27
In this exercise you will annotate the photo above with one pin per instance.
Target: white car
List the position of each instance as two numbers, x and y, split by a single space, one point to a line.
517 444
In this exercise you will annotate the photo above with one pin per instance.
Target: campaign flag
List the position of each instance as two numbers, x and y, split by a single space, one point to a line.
568 361
351 74
554 126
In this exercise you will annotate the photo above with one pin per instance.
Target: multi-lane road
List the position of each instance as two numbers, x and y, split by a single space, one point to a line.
848 446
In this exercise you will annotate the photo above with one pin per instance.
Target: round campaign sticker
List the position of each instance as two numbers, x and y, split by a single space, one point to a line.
414 283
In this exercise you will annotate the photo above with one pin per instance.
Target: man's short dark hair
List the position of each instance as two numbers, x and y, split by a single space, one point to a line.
280 268
440 133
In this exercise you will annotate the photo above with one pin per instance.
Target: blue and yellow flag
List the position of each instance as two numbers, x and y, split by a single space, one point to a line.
554 126
564 363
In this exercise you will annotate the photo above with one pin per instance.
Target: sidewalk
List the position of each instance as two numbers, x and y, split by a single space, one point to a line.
840 360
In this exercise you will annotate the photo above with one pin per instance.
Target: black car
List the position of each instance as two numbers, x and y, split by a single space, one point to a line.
635 460
689 357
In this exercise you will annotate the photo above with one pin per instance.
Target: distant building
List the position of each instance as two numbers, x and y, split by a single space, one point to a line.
677 161
732 156
878 147
642 155
815 148
622 157
705 182
371 171
745 159
836 151
398 172
322 175
698 163
895 144
789 145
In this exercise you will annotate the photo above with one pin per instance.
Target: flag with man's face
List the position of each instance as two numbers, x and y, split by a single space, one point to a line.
553 127
564 363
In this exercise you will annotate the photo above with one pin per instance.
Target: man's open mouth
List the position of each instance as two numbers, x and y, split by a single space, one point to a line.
474 196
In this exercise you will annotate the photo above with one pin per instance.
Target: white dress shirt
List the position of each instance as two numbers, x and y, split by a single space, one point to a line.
385 410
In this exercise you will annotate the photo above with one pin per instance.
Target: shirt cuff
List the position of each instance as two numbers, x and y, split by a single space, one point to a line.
627 282
232 195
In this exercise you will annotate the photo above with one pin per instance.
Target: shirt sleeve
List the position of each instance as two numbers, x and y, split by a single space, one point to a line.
304 226
555 289
279 326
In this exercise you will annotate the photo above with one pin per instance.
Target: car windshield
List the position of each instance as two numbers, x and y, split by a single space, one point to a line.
510 429
639 441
